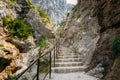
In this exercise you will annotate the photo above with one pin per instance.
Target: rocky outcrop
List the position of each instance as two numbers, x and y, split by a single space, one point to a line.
33 19
27 12
8 56
90 30
15 53
56 9
6 11
115 71
81 31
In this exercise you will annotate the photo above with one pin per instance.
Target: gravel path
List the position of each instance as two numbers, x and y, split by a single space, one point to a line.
71 76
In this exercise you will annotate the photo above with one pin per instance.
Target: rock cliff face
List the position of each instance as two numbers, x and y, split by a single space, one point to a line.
15 53
56 9
90 30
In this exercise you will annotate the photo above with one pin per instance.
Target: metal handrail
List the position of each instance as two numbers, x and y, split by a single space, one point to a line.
55 52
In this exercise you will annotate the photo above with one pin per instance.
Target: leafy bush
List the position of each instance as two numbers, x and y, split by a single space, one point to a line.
24 78
12 0
62 23
44 65
1 46
78 16
17 28
44 17
116 44
42 41
6 21
10 78
29 3
68 14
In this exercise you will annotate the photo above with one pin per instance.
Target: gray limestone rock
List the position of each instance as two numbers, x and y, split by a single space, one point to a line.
56 9
97 71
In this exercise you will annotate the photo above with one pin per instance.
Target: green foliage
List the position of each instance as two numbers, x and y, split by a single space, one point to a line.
68 14
29 3
78 16
12 1
118 58
116 44
62 23
44 17
73 8
24 78
45 67
6 21
17 28
1 46
10 78
42 41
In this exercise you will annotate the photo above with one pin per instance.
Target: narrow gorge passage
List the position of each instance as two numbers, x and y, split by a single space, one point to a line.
69 66
88 30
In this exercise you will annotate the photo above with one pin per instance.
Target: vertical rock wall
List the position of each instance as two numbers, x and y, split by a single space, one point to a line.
90 30
81 32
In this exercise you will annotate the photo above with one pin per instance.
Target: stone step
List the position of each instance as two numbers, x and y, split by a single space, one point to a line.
69 56
69 60
65 64
68 69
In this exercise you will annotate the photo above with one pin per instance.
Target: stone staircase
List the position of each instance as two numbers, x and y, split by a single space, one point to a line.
68 63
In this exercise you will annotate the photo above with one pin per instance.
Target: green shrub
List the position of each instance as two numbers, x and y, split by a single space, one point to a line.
116 44
6 21
18 28
1 46
24 78
68 14
12 1
29 3
44 65
45 69
62 23
78 16
10 78
44 17
42 41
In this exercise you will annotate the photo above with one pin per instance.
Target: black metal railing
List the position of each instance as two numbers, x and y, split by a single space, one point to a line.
52 54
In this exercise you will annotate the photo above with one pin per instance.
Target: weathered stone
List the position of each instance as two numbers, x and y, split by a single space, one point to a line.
1 55
4 11
97 71
33 18
56 9
95 29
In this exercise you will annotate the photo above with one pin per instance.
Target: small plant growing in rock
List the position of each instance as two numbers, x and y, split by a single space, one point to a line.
24 78
17 28
116 44
45 63
42 41
44 17
10 78
78 16
1 45
29 3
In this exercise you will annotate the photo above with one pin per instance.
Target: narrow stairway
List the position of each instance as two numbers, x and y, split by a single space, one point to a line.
68 63
69 66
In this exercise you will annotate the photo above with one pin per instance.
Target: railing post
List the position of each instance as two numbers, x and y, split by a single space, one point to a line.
38 65
56 47
54 56
50 66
